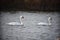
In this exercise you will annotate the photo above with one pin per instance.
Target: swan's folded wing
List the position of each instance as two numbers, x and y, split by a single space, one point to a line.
13 23
41 23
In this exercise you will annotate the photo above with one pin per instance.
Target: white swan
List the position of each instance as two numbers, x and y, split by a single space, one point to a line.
45 24
17 23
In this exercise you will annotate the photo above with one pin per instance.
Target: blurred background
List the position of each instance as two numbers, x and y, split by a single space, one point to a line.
30 5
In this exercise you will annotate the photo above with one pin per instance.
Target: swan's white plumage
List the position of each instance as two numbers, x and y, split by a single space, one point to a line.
13 23
16 23
43 23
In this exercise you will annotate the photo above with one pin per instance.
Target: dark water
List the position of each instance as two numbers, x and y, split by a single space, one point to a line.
30 30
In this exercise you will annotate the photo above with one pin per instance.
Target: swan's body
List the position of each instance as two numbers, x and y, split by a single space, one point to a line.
17 23
43 23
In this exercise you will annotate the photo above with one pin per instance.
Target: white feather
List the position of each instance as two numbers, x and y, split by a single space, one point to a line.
16 23
43 23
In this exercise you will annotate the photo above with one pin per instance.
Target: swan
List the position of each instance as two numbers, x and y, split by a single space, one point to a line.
45 24
17 23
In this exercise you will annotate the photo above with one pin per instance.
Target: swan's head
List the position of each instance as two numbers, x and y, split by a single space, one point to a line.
21 17
49 18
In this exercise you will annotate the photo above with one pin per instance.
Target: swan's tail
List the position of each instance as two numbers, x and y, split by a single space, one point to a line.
9 24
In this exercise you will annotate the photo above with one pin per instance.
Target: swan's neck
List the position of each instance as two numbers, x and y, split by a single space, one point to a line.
49 21
21 21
